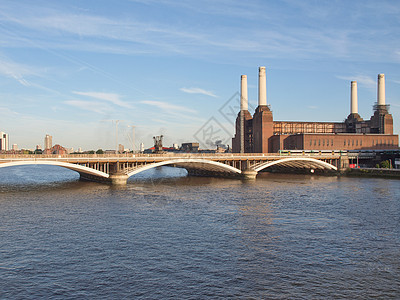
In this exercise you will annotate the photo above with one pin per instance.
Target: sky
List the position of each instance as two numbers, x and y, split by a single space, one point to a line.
97 73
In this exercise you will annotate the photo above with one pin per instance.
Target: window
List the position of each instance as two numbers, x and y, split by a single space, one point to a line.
319 142
344 143
356 142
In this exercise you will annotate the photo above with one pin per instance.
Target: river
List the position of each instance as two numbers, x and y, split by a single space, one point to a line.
167 236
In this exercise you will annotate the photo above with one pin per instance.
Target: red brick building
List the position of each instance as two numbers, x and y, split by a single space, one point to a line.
56 149
261 134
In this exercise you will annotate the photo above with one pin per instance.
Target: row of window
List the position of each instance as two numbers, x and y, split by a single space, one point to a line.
382 142
318 142
350 142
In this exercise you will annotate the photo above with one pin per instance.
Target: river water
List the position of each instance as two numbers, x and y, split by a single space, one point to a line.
165 235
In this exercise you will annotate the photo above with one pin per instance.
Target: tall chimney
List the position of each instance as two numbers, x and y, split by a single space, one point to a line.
381 89
262 87
244 104
354 98
243 107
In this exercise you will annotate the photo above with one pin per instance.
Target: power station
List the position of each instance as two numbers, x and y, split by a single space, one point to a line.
261 134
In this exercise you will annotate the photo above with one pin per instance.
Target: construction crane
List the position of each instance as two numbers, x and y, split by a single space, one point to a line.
158 148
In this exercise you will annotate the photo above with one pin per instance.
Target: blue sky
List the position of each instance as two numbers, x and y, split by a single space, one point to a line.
72 68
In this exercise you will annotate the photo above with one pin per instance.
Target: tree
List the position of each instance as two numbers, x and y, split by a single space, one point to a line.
385 164
100 151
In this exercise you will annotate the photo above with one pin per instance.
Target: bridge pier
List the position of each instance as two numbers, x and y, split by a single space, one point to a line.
249 174
118 179
114 179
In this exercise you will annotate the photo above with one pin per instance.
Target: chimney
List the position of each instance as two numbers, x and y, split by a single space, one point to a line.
381 89
244 103
262 87
354 98
243 107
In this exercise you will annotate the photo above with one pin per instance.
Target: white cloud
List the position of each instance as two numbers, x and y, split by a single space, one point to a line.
110 97
194 90
364 80
92 106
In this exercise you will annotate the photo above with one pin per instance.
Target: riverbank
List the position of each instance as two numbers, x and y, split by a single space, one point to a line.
373 172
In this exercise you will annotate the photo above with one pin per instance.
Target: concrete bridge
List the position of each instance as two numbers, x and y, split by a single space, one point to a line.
116 169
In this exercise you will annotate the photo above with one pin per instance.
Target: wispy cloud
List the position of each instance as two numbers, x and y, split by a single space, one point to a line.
93 106
15 70
97 33
168 107
194 90
364 80
110 97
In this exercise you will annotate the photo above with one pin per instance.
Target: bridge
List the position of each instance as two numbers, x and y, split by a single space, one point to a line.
116 169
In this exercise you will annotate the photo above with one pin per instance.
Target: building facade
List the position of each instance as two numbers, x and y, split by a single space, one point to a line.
4 141
261 134
48 142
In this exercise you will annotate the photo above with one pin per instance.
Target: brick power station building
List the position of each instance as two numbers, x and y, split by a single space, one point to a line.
261 134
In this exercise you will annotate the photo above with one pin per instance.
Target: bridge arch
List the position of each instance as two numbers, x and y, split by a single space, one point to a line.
202 164
297 163
74 167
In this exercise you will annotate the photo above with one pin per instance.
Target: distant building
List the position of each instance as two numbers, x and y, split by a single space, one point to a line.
3 141
190 147
56 149
48 142
14 147
259 133
141 147
121 148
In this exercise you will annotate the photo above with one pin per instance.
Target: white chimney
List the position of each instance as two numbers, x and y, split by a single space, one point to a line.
354 98
381 89
262 87
244 102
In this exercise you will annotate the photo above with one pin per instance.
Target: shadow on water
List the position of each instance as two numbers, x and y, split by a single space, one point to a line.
38 178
